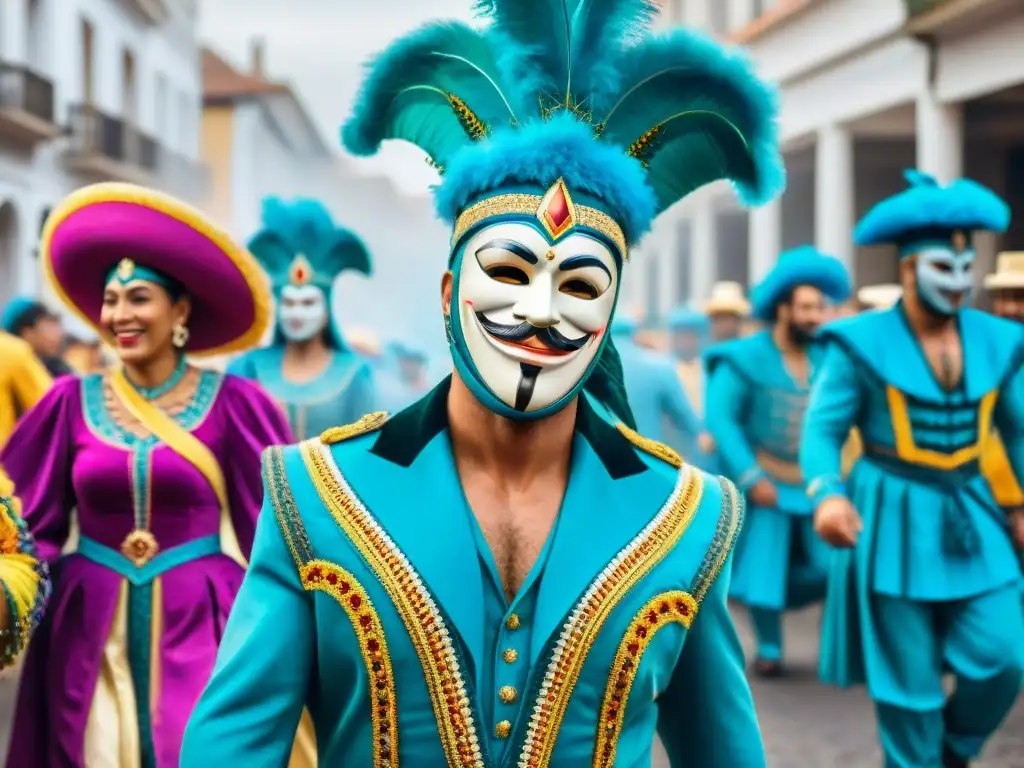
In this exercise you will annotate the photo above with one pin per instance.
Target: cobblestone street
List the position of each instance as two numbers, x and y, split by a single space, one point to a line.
805 725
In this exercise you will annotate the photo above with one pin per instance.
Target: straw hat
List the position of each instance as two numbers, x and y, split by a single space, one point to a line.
1009 271
880 296
727 299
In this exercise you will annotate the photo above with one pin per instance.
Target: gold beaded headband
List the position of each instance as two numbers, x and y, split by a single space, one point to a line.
555 211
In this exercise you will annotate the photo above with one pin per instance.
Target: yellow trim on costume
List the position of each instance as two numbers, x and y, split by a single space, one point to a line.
189 447
115 192
907 449
670 607
652 447
535 205
343 587
441 668
366 424
633 563
996 469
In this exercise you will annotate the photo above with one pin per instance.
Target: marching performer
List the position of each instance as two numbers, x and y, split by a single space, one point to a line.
727 310
655 395
930 581
1006 285
161 461
757 394
23 382
487 633
688 331
308 368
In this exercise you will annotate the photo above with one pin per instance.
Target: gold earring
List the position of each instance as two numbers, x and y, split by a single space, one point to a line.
179 335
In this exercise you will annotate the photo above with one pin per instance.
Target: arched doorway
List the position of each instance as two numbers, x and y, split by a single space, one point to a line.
9 251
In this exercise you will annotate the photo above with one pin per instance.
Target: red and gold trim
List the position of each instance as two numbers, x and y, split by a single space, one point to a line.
555 210
342 586
670 607
424 623
586 620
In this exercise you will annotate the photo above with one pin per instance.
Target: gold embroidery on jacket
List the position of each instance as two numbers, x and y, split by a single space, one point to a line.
442 668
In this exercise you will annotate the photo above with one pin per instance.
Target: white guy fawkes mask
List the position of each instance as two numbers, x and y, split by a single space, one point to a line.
532 315
302 311
944 278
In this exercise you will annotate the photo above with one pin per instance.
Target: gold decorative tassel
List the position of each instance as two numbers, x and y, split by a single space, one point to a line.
471 124
644 147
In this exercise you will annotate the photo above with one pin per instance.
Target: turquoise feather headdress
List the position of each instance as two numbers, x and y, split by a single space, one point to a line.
574 90
300 244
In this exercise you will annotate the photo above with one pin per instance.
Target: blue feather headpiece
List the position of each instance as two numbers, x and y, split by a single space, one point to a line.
805 265
571 95
299 244
928 212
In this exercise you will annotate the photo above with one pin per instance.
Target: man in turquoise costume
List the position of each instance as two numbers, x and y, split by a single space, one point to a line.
757 394
927 580
688 333
655 394
473 581
308 368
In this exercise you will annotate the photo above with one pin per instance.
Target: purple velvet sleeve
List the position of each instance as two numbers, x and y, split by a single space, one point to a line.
38 459
253 422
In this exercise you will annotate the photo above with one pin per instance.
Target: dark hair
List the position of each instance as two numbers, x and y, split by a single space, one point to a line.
30 316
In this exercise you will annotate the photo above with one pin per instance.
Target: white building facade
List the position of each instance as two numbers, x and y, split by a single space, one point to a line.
869 88
91 90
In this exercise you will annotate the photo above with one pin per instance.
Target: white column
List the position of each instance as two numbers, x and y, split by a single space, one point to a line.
696 13
834 209
765 234
741 13
13 31
940 138
703 248
668 267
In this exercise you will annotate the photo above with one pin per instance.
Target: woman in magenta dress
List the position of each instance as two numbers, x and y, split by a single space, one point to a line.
161 461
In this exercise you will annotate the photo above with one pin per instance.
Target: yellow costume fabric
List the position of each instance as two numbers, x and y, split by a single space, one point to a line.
995 466
23 382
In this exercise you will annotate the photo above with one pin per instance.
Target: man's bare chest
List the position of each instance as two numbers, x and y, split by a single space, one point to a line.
515 534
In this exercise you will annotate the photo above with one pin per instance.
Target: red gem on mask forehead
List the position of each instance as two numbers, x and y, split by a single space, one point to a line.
556 210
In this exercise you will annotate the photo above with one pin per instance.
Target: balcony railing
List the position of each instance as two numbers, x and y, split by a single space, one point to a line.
26 91
110 146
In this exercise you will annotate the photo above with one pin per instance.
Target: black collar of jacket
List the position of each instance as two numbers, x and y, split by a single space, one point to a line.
407 433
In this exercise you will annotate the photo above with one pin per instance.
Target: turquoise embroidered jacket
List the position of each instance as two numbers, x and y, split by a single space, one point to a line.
364 601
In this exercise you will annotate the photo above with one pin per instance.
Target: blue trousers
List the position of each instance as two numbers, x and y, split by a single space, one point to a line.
980 640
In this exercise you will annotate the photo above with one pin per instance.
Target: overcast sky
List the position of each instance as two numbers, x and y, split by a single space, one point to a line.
320 46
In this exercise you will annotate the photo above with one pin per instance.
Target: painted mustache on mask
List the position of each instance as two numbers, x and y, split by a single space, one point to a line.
523 331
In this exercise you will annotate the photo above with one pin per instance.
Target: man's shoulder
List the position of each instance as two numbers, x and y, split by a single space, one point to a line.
709 506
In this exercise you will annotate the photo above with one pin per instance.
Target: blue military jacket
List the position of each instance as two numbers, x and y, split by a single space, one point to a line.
365 601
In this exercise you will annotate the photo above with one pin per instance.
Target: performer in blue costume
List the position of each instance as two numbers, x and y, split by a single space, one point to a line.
930 581
308 368
655 394
473 581
689 331
757 394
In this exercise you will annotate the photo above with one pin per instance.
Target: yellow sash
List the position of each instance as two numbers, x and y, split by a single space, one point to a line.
852 451
995 466
190 448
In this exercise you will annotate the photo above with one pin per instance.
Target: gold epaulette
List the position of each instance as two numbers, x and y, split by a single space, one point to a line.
368 423
653 447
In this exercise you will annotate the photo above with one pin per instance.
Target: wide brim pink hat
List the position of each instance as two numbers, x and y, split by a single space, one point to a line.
97 226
